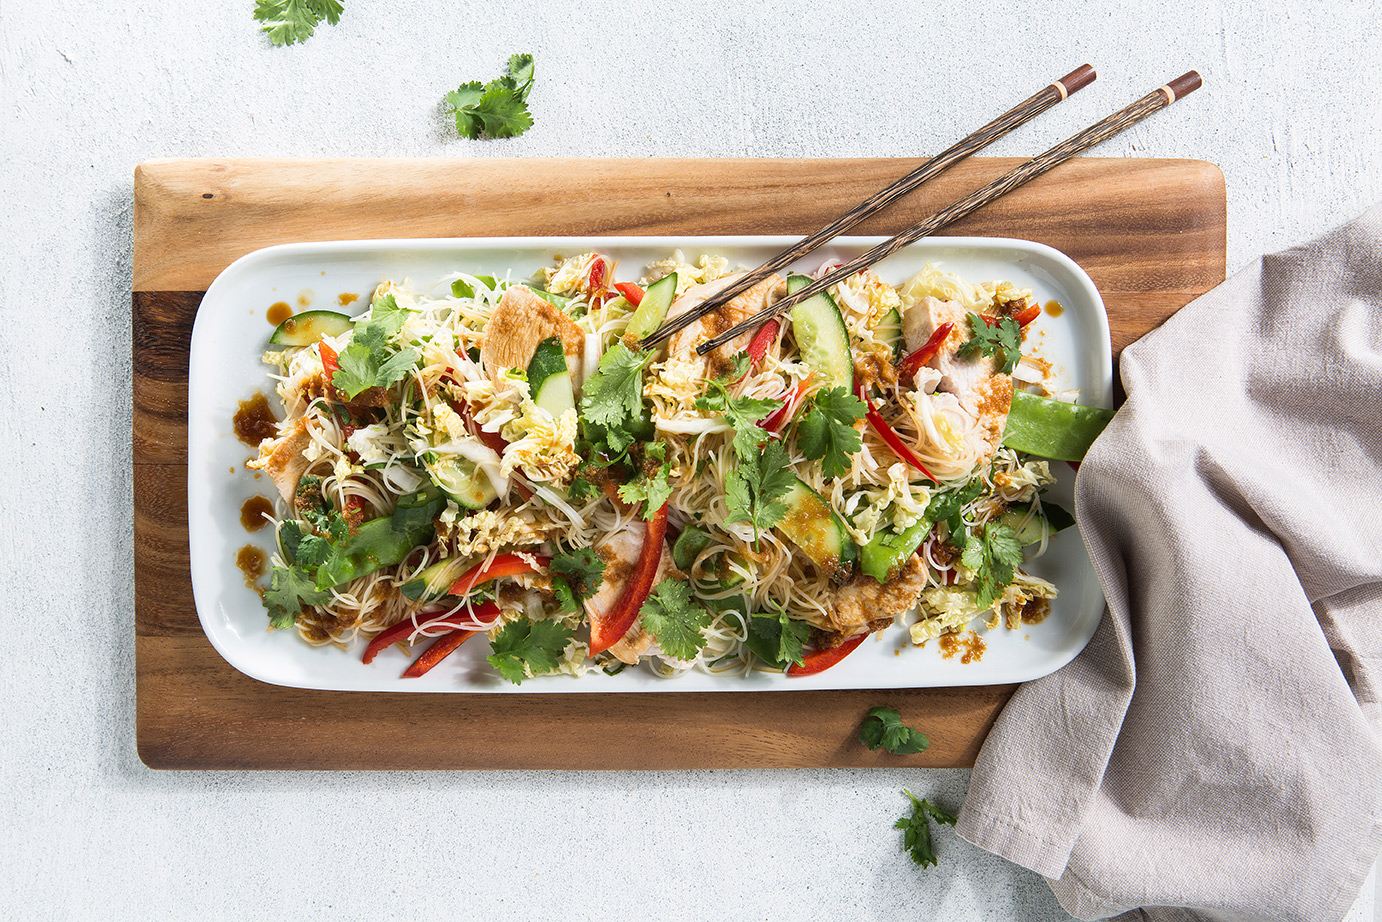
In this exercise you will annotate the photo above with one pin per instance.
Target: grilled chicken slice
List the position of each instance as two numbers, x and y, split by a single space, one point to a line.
866 604
983 391
282 459
620 551
519 323
719 362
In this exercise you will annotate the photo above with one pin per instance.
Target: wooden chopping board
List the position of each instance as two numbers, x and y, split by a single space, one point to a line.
1151 233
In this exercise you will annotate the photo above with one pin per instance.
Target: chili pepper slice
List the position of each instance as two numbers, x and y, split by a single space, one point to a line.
889 435
821 660
912 363
447 644
783 414
406 627
762 340
631 292
329 360
502 565
1024 317
607 631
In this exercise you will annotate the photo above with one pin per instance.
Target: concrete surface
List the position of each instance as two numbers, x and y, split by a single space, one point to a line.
87 90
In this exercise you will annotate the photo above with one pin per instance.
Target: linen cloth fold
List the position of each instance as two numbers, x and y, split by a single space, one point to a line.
1216 751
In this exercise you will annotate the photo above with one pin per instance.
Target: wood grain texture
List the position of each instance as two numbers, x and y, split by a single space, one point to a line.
1151 233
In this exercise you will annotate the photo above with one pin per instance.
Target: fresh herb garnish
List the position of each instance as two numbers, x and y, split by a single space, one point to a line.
523 648
1003 338
948 507
916 838
992 556
289 589
498 109
290 21
883 729
673 620
777 639
368 362
826 432
653 486
576 577
613 397
755 487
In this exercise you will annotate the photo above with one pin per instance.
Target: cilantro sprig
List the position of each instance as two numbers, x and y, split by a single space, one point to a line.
1003 339
576 576
916 837
826 432
992 555
498 109
369 361
883 729
673 620
777 639
289 589
948 507
613 397
523 649
653 486
289 21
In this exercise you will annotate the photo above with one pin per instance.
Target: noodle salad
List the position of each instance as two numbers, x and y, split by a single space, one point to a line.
500 457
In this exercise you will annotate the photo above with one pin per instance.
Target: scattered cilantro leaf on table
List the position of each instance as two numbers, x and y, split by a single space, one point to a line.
916 837
1003 339
289 589
992 556
498 109
524 648
289 21
671 618
883 729
576 577
777 639
826 432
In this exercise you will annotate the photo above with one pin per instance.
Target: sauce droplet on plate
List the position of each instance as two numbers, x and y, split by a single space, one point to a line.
346 297
251 561
253 511
305 297
255 420
1055 308
969 644
278 312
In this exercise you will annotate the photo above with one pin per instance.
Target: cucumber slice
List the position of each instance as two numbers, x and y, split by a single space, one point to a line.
692 540
652 310
814 527
548 378
462 480
1056 519
822 339
306 328
889 332
433 582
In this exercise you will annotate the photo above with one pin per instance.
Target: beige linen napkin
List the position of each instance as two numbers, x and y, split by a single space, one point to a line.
1218 745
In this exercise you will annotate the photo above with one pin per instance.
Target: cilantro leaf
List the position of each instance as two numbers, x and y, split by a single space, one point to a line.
948 507
313 550
289 21
653 486
368 362
777 639
523 648
992 556
671 618
883 728
498 109
576 576
739 412
289 589
1003 338
614 394
916 837
827 434
755 487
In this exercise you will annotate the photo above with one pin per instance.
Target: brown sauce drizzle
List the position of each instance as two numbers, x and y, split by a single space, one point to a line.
305 297
1055 308
255 420
278 312
346 297
253 511
251 561
969 644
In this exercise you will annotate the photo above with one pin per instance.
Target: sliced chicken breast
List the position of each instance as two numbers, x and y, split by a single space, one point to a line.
721 361
620 551
519 323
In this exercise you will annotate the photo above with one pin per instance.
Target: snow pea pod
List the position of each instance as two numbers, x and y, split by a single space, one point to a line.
1052 428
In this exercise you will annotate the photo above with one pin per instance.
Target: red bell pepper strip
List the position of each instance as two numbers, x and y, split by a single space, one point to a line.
1024 317
762 340
404 629
912 363
502 565
821 660
631 292
606 631
447 644
889 435
783 414
329 362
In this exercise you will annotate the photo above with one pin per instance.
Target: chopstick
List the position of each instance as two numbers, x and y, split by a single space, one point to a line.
1015 117
1100 131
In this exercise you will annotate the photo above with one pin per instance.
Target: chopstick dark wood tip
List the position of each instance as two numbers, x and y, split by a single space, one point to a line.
1185 84
1077 79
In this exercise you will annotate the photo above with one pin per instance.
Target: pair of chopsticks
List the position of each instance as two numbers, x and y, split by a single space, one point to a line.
1024 112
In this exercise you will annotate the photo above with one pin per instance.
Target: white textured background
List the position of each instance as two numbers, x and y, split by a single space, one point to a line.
1290 112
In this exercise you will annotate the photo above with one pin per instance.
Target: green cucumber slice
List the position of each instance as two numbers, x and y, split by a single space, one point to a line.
306 328
549 379
462 480
433 582
692 540
822 339
652 310
814 527
889 332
